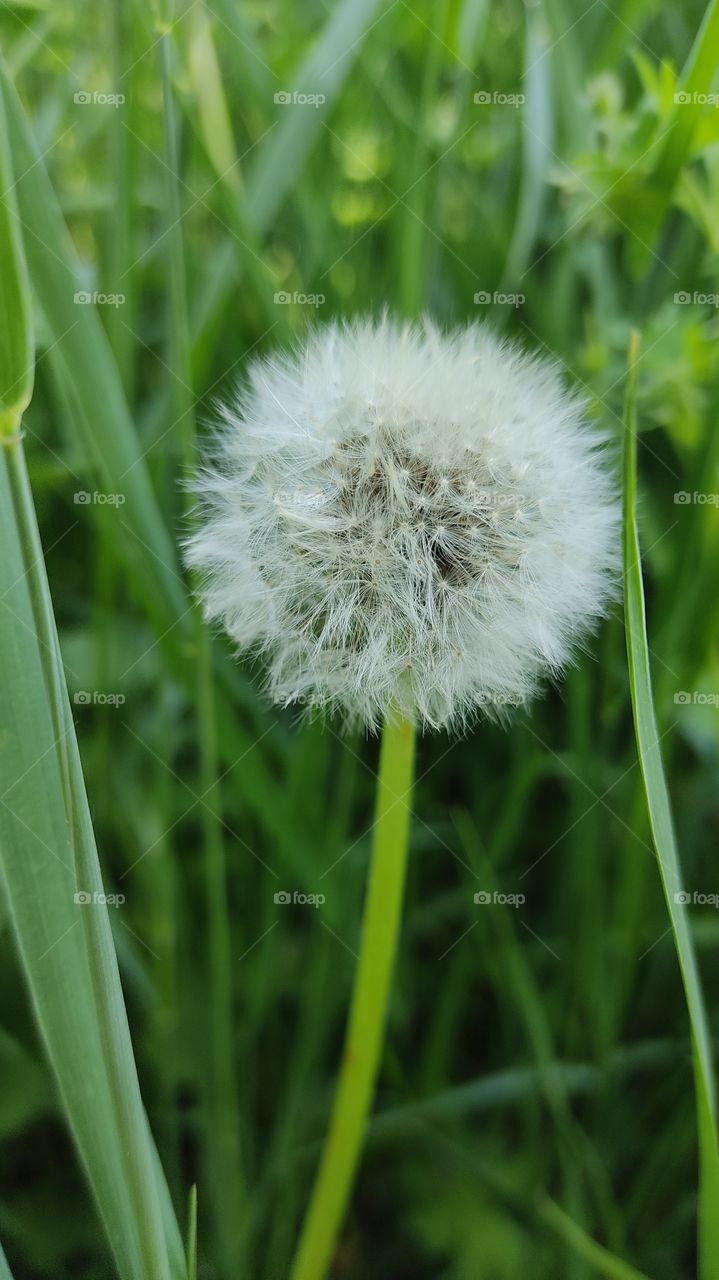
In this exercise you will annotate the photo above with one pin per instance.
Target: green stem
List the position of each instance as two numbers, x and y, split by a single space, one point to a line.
364 1037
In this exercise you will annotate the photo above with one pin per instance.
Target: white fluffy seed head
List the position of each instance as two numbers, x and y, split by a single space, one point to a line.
399 518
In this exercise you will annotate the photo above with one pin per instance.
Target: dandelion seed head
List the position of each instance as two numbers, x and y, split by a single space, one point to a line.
397 517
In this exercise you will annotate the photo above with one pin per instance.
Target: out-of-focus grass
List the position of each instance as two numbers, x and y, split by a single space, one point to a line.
535 1050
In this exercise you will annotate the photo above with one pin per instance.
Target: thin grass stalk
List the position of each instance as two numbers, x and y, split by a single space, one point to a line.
603 1262
192 1234
120 321
664 840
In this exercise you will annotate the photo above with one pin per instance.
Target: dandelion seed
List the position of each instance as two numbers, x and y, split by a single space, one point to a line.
398 517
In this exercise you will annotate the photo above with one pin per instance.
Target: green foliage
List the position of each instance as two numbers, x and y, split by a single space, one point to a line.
536 1110
660 821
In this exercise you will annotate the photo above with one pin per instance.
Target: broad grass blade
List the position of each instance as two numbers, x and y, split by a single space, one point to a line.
54 891
48 861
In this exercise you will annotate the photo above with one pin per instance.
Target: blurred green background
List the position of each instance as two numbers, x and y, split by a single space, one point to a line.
533 167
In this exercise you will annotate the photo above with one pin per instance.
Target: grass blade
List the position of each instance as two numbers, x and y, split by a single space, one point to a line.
192 1235
65 946
48 861
107 434
662 829
537 145
603 1262
225 1161
322 71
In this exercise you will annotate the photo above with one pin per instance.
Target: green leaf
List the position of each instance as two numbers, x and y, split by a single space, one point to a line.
662 829
17 355
48 858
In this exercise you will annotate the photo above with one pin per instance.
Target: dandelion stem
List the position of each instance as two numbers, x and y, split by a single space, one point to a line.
364 1036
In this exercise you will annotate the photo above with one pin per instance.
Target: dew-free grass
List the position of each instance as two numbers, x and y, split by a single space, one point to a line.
536 1108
